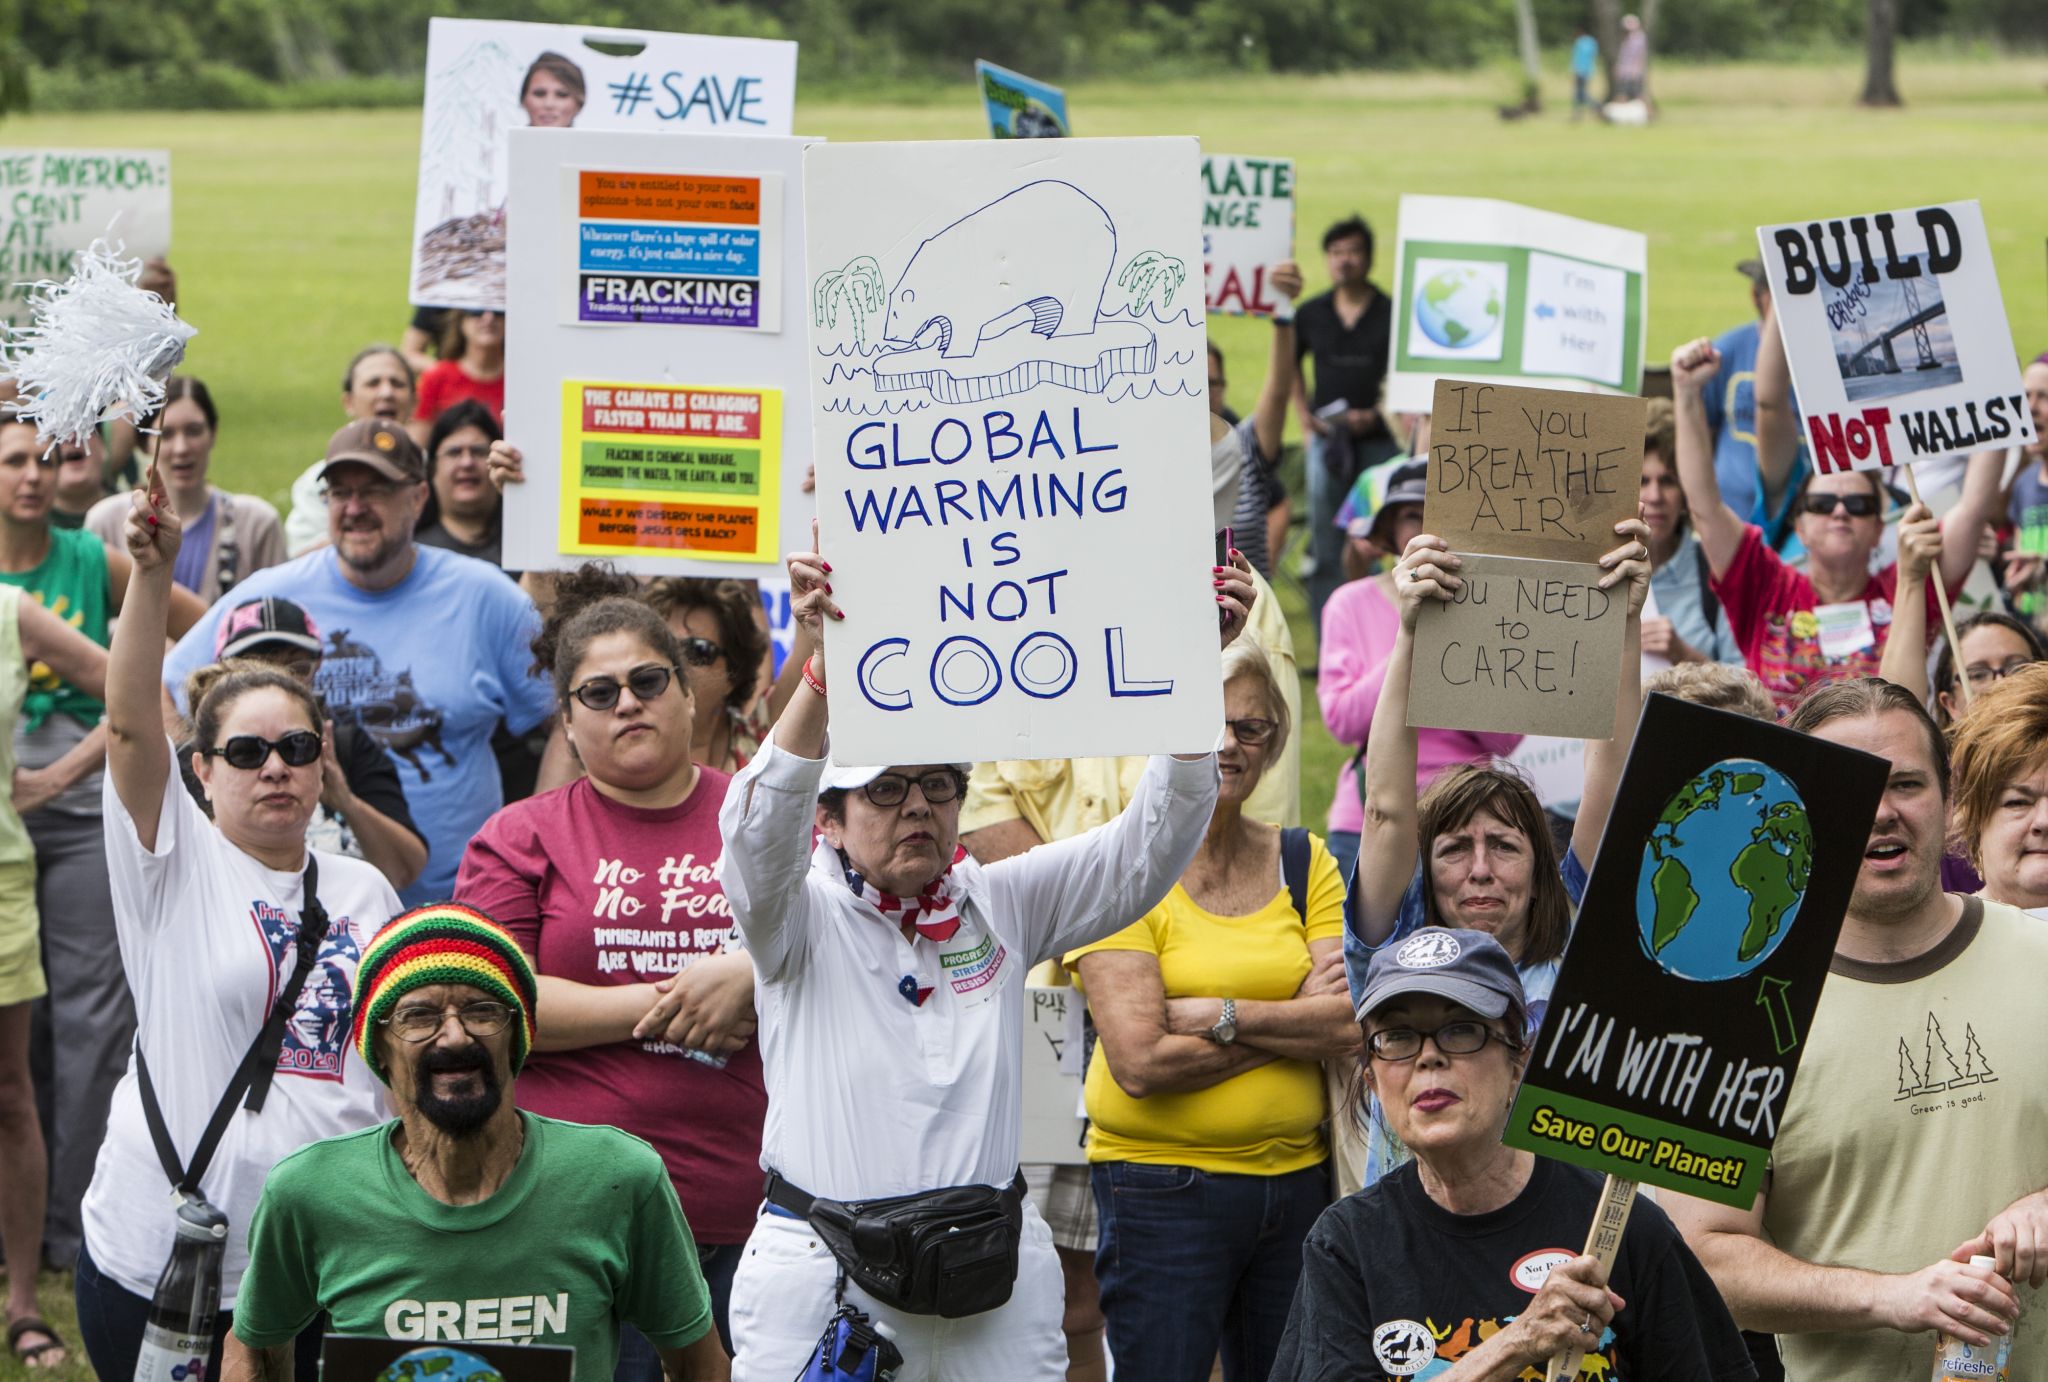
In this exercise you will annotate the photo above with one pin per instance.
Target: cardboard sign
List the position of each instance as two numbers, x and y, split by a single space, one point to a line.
1523 647
487 77
1668 1050
1896 335
1008 384
1247 228
1490 290
1532 472
1021 107
56 202
1055 1127
656 412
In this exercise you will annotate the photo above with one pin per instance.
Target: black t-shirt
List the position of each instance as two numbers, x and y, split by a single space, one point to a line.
1391 1283
491 549
1351 362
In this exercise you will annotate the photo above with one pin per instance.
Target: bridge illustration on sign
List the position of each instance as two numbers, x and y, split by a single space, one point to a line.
1014 294
1892 337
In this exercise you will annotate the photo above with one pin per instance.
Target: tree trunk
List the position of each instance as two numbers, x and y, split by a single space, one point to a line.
1881 31
1532 56
1607 29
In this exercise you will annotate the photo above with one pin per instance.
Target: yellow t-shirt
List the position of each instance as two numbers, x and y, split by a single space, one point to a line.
1264 1122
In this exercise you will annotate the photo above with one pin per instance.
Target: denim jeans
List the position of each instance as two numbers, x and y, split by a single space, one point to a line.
638 1361
1191 1262
111 1319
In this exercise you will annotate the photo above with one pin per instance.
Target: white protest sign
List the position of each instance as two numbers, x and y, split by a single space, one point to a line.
1054 1132
1009 418
1896 335
487 77
667 435
1247 227
56 202
1508 294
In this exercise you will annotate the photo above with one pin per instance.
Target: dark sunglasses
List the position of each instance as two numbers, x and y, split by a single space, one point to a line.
1858 505
700 652
938 786
252 751
646 683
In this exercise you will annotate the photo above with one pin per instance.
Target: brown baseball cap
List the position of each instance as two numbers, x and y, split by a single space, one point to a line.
1753 270
380 446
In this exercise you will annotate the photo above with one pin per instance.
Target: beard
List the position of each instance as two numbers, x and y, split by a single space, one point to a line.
464 1115
382 550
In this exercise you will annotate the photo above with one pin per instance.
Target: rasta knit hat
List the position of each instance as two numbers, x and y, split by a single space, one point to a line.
441 943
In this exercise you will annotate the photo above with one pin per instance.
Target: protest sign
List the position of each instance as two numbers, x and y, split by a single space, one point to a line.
1531 472
1523 647
1247 228
1896 335
56 202
1670 1042
1489 290
1011 433
487 77
1055 1127
656 356
1020 107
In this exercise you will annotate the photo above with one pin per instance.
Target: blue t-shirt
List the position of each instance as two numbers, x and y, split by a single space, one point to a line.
1679 590
1730 397
426 668
1585 55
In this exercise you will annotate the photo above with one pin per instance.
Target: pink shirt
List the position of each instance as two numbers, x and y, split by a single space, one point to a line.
598 892
1359 627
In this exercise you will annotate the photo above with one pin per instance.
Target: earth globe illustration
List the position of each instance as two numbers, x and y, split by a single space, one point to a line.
1724 872
1458 307
440 1364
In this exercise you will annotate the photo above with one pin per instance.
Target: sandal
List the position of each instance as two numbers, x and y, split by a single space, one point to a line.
29 1324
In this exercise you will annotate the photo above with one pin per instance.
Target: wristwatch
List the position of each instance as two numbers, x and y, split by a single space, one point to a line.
1225 1030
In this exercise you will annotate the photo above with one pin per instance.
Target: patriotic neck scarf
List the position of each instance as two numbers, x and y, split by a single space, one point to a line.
934 912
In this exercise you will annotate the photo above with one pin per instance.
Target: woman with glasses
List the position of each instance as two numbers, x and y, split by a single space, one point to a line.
1205 1094
1995 645
723 645
212 917
608 885
472 365
1463 1263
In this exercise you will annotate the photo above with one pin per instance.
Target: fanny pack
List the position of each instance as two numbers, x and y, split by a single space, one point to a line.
949 1252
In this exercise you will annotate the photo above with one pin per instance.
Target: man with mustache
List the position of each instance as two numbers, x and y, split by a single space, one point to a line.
466 1220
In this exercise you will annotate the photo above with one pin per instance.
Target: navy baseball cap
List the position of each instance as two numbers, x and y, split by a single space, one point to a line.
1468 968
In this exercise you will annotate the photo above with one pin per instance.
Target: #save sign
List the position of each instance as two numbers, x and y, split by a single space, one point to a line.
1669 1044
1896 335
1247 227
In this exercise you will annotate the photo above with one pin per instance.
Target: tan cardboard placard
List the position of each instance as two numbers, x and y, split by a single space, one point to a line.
1525 647
1542 473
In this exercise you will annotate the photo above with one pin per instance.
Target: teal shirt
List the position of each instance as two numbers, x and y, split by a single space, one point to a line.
585 1235
1585 55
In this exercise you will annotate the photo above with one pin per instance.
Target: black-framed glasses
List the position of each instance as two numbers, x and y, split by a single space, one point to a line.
252 751
417 1022
376 492
700 652
1398 1044
1823 504
939 785
1252 733
646 683
1981 675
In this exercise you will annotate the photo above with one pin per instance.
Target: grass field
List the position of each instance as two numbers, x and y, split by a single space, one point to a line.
292 229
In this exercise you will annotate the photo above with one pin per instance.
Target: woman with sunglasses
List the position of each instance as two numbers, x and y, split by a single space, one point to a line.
1205 1095
210 916
608 885
723 645
1799 629
1458 1264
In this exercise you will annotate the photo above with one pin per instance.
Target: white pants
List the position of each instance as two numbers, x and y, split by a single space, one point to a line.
782 1297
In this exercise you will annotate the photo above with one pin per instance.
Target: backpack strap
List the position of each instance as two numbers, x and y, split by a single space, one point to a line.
1294 859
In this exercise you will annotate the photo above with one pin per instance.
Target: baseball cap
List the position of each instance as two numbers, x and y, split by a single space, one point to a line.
846 779
254 623
380 446
1468 968
1753 270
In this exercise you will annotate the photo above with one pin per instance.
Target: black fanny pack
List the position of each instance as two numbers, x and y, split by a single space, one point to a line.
950 1252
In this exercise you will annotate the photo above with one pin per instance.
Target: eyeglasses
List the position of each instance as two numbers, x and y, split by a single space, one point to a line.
1858 505
252 751
700 652
375 493
938 786
417 1022
1251 733
646 683
1397 1044
1980 675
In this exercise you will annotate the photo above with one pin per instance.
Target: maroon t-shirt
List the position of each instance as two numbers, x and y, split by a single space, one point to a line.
598 892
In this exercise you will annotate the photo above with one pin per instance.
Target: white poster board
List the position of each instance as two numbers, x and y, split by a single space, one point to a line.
56 202
670 437
1896 335
487 77
1247 228
1012 438
1055 1130
1508 294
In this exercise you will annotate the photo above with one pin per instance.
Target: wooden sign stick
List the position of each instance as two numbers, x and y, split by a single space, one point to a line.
1948 619
1603 1241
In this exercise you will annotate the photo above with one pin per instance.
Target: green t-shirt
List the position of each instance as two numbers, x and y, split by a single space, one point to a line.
70 582
585 1234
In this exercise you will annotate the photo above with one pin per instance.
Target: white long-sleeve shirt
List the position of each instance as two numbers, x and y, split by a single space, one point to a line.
869 1093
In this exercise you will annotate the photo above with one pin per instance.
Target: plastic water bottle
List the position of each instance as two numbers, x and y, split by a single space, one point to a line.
177 1340
1956 1361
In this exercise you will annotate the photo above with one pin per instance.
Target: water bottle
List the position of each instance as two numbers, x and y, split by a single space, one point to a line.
1956 1361
177 1341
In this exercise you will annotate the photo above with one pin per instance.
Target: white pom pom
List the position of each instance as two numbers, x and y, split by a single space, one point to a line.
98 347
